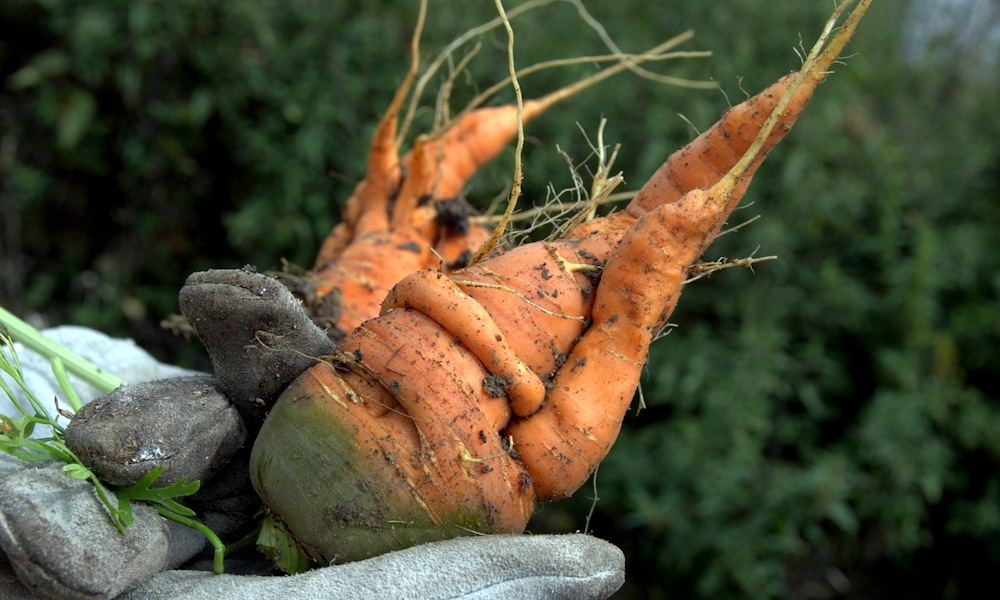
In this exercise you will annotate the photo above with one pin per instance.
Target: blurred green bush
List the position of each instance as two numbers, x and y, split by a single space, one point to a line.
826 427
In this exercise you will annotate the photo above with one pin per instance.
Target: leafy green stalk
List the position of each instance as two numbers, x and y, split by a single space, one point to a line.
219 549
35 412
164 501
62 378
117 513
164 496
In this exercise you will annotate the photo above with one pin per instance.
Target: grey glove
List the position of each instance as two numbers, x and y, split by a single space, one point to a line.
60 543
59 540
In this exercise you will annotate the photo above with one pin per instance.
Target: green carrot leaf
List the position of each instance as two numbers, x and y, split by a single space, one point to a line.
164 496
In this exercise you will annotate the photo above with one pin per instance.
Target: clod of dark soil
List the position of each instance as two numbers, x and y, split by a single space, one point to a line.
183 424
257 334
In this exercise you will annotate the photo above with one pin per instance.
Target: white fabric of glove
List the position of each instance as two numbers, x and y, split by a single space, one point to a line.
574 566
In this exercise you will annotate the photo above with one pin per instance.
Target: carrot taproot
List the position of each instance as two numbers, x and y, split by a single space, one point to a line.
445 362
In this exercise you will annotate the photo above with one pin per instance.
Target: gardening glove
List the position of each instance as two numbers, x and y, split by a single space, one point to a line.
97 561
54 532
60 543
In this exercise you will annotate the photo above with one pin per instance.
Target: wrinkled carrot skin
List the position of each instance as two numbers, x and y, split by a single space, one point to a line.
390 227
442 300
412 342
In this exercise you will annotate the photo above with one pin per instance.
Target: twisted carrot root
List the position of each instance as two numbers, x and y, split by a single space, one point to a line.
393 228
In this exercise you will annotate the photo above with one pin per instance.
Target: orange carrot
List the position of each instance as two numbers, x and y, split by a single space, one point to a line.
391 222
476 394
387 240
675 216
397 207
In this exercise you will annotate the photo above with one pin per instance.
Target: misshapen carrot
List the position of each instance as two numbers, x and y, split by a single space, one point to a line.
400 203
391 226
580 313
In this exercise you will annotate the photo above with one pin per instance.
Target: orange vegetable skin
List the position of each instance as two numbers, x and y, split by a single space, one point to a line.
451 473
391 227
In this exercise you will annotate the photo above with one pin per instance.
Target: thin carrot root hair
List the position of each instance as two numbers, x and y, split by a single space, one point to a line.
705 268
576 203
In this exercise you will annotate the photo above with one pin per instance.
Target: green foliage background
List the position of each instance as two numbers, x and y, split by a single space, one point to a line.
826 427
